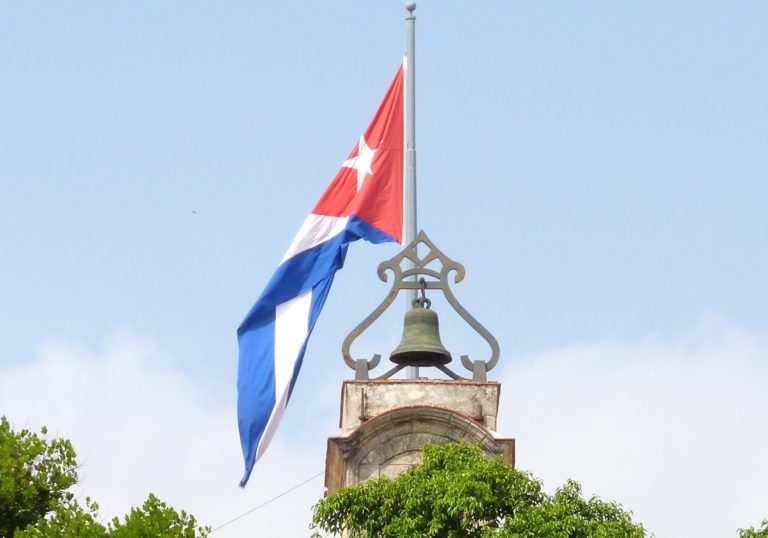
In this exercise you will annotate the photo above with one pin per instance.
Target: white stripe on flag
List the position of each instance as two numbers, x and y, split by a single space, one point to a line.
315 230
291 328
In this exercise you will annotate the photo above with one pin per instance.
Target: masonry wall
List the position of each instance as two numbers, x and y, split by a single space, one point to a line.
385 423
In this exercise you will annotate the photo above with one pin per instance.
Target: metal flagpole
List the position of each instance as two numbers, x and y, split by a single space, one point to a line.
409 209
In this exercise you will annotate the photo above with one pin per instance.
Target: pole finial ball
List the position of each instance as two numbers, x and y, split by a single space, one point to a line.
410 5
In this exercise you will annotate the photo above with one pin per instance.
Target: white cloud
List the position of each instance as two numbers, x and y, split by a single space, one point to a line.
139 427
675 429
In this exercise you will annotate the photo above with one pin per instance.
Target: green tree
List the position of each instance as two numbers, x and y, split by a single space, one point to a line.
567 514
458 492
157 520
35 476
69 520
752 532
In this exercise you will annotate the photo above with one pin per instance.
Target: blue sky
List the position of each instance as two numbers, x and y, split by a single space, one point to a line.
600 169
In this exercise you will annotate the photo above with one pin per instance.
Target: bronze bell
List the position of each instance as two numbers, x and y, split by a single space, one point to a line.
421 345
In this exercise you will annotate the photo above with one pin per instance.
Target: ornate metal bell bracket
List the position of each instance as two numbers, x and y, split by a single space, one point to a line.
407 279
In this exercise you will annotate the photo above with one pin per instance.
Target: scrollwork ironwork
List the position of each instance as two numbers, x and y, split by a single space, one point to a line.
408 279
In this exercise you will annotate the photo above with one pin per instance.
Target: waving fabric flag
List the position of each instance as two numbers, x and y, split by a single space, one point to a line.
364 200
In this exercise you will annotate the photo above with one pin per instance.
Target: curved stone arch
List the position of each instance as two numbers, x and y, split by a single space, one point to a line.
391 442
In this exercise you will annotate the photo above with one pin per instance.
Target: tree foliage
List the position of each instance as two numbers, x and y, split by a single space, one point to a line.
35 501
156 519
35 475
458 492
70 520
752 532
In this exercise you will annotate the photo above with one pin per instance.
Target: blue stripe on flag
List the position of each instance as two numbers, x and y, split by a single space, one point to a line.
311 269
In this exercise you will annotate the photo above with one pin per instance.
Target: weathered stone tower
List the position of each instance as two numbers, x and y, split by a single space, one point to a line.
385 422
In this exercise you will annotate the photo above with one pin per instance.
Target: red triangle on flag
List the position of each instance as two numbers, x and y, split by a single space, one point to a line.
369 184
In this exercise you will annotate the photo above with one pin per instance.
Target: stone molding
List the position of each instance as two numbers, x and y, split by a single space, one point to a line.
362 400
390 442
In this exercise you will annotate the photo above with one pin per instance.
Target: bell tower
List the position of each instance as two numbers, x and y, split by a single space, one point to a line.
384 421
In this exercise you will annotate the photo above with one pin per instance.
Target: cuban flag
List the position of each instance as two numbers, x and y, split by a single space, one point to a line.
364 200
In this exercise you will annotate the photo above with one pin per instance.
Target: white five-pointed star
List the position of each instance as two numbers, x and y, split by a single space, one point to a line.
361 162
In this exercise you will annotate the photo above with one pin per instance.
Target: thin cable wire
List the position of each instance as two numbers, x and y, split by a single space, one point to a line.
265 503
